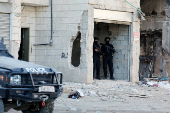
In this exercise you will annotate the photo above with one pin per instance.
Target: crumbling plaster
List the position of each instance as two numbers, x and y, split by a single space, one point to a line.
157 20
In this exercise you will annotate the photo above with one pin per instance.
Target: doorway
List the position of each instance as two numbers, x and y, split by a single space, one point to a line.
119 35
23 53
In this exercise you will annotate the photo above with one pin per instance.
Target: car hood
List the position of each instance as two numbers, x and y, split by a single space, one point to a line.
11 63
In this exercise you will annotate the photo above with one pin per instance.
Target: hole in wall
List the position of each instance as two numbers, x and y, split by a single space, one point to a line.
76 51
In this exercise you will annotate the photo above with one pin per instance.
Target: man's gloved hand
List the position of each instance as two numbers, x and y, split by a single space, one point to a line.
96 50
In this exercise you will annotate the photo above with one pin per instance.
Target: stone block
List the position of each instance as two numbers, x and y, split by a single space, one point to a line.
32 14
30 20
65 7
31 58
57 8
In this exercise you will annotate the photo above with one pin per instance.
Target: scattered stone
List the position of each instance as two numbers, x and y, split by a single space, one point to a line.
73 109
92 93
83 111
102 94
103 99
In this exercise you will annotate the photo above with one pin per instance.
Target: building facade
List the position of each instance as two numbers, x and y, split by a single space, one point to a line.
60 34
155 35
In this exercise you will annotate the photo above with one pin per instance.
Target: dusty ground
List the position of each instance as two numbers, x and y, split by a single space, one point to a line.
108 96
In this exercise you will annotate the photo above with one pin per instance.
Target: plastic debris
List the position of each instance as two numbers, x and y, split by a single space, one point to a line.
73 109
134 90
75 95
81 93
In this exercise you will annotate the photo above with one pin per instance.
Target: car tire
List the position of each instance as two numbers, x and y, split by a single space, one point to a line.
48 108
1 106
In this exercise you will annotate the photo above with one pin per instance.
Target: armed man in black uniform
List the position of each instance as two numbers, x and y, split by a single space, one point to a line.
108 51
96 58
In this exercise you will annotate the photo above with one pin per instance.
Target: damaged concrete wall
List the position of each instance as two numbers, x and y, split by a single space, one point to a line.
155 34
166 29
155 14
28 21
69 18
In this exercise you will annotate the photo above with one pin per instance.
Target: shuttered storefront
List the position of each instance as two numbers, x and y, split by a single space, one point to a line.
5 28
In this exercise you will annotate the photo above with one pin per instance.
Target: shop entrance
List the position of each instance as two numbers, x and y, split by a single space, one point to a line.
119 35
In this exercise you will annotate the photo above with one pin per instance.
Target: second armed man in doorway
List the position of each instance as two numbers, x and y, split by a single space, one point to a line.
108 51
96 58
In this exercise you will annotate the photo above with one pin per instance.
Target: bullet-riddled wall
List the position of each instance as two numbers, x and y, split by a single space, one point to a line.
73 25
69 19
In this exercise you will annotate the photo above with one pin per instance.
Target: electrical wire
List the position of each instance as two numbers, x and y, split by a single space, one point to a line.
135 7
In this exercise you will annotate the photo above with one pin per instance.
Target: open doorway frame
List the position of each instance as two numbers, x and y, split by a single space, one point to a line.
23 53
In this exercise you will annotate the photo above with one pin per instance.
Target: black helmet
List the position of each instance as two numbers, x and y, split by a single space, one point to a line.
107 38
96 38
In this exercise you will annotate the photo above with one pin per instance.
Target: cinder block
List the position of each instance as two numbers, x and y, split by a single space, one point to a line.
120 38
118 65
125 62
116 42
124 51
126 56
120 47
117 71
124 43
126 38
125 66
125 71
118 76
120 57
125 76
123 33
119 52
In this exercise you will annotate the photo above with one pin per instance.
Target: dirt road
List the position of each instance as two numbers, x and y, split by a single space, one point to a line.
108 96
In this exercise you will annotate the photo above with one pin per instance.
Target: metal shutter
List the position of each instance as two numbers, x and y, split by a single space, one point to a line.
5 28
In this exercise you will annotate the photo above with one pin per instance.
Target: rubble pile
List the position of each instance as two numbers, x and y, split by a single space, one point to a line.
109 95
106 89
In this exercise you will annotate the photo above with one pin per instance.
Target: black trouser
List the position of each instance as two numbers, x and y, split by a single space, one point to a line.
96 66
108 60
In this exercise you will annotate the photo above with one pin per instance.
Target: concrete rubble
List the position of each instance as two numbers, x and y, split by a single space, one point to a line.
106 96
105 93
